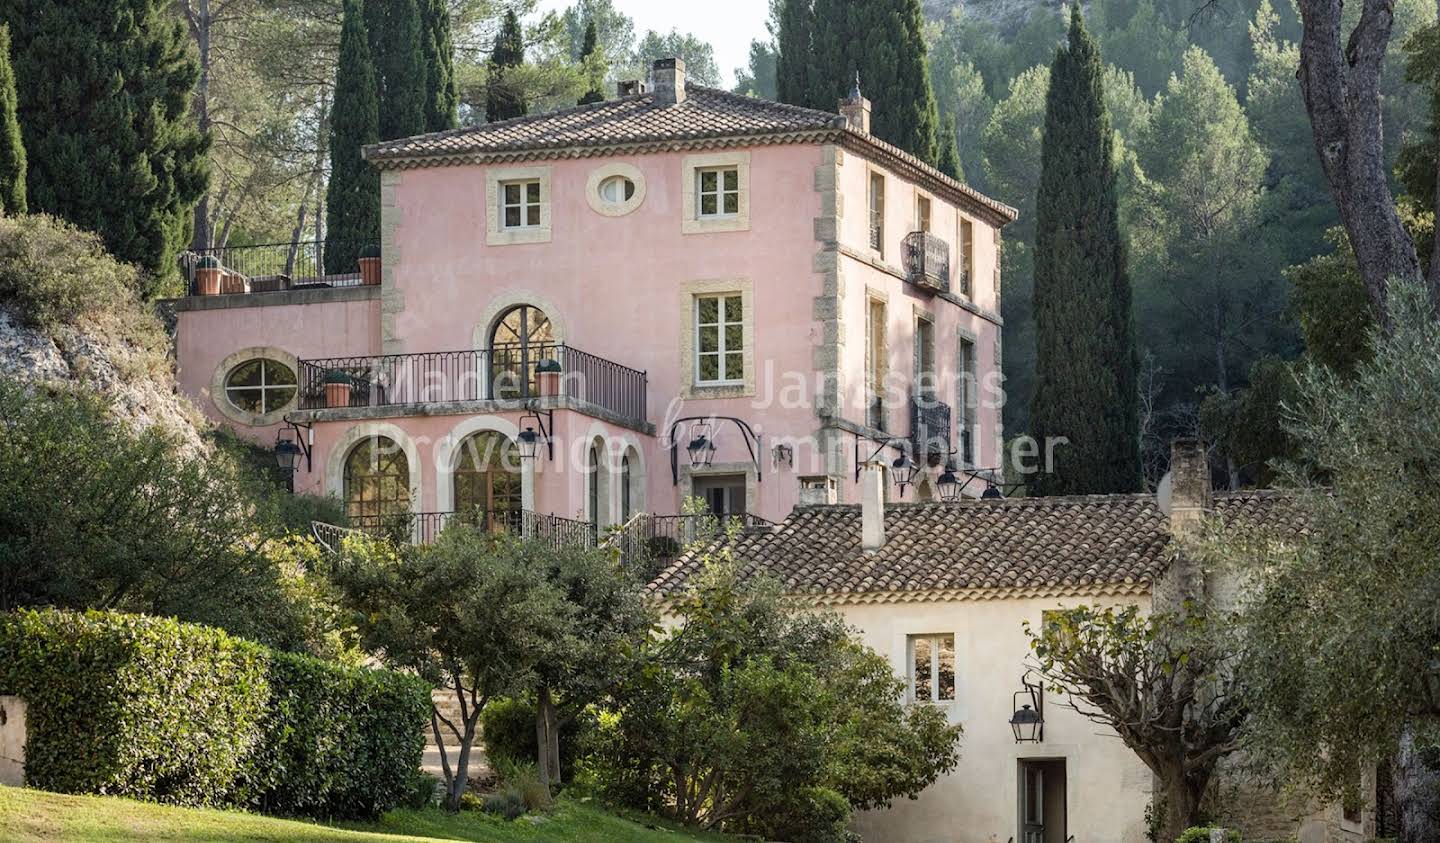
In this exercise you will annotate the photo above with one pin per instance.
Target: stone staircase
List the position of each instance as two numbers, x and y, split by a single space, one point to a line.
449 707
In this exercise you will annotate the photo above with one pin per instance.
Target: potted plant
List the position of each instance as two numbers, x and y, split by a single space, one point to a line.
547 377
370 266
337 388
207 276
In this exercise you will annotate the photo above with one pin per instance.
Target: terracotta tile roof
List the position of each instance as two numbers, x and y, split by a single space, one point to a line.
1021 543
709 118
706 112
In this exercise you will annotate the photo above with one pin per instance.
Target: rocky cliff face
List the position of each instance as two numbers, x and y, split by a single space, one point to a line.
140 393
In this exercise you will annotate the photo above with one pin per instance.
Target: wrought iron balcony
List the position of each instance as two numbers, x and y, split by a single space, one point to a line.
926 260
426 527
929 429
271 267
512 372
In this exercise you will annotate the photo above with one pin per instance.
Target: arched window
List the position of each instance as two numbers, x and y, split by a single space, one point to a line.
487 479
592 482
522 337
626 479
377 481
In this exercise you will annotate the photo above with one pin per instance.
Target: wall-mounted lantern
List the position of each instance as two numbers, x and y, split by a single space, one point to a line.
1028 719
949 484
702 446
290 446
534 432
905 471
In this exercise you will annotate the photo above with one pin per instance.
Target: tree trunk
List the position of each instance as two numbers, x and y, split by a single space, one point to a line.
200 22
1417 791
1182 803
1342 96
547 739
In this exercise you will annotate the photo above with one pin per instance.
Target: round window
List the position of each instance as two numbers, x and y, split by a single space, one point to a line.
617 189
260 386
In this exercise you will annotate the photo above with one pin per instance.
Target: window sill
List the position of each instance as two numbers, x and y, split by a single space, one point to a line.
515 236
711 225
718 390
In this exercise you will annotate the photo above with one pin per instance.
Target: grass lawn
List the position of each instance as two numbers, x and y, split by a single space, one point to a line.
35 815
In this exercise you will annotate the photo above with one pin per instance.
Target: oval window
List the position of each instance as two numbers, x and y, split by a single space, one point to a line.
617 189
260 386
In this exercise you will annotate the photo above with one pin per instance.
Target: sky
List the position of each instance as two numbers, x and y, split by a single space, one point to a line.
729 25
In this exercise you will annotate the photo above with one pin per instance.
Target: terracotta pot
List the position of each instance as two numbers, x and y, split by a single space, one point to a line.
207 280
547 383
234 282
337 395
370 272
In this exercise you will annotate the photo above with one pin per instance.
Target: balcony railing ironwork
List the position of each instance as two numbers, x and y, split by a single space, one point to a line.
426 527
929 429
649 543
513 372
926 260
271 267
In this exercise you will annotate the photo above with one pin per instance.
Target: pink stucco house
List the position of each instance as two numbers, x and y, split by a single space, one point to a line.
598 313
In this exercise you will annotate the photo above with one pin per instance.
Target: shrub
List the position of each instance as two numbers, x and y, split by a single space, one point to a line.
424 792
507 727
506 803
132 706
151 708
1201 834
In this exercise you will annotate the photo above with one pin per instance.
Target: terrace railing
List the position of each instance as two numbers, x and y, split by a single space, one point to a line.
270 267
426 527
929 429
501 372
926 260
649 543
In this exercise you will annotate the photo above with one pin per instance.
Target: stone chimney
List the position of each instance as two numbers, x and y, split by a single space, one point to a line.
872 507
1190 499
856 109
818 491
629 87
669 78
1190 494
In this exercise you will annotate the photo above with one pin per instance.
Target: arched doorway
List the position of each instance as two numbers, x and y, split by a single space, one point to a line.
377 482
487 481
520 338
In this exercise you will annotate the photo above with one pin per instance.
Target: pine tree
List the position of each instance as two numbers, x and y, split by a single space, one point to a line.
352 213
12 148
949 162
1087 361
398 58
441 98
103 93
794 42
504 98
884 41
593 61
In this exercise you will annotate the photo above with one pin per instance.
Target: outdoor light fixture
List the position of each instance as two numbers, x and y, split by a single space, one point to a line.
949 484
992 492
534 433
905 472
290 446
702 446
1028 721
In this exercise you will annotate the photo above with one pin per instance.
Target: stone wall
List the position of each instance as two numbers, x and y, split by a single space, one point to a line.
12 741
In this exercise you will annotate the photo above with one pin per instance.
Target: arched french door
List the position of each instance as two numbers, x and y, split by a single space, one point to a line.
520 338
377 482
487 481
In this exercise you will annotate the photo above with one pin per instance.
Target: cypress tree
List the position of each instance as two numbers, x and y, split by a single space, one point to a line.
12 148
949 162
794 61
400 70
104 89
352 212
441 97
504 98
1086 359
885 41
593 62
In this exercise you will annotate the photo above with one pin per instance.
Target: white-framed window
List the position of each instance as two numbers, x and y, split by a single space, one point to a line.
260 386
967 256
922 212
520 204
719 339
877 362
717 192
925 374
617 189
968 398
877 212
931 668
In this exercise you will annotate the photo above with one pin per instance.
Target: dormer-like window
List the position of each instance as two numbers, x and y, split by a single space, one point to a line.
520 204
718 192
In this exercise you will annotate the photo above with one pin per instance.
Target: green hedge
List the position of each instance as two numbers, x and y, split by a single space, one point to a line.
150 708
